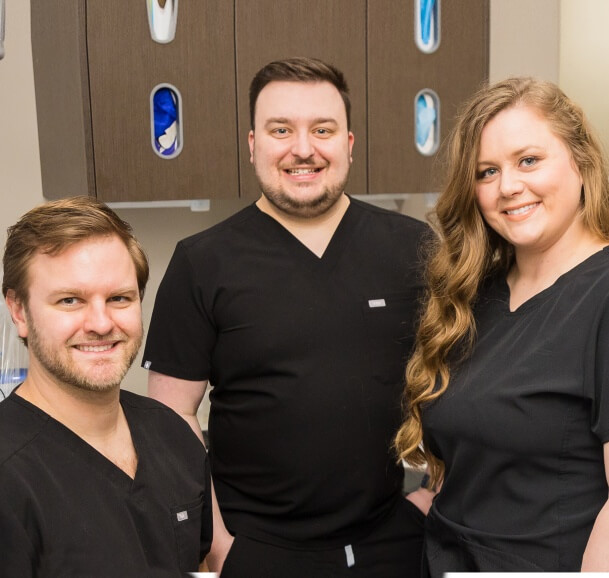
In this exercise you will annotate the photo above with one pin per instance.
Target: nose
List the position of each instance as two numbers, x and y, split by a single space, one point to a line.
97 319
510 184
302 147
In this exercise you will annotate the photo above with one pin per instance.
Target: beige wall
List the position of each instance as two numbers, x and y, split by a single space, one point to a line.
584 58
524 40
20 186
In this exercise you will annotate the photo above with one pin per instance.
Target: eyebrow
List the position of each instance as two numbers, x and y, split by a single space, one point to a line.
285 120
78 292
516 153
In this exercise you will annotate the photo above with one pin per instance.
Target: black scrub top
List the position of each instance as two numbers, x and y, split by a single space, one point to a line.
521 429
66 510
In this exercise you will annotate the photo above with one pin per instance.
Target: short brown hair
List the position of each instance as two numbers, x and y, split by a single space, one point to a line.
299 69
53 227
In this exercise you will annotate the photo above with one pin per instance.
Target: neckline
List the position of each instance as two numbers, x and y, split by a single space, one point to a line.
544 293
334 247
86 451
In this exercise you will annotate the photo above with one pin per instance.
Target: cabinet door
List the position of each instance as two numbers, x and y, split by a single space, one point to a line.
398 70
332 30
59 48
125 64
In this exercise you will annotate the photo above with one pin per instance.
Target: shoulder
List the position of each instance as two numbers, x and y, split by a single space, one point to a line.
243 219
401 239
597 266
210 250
19 425
154 414
143 404
589 280
380 217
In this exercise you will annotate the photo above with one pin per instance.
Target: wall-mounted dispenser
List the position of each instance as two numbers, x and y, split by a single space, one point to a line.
427 25
162 19
166 120
427 122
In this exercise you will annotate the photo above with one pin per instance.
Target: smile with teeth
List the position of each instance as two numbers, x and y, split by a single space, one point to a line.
521 210
302 171
95 348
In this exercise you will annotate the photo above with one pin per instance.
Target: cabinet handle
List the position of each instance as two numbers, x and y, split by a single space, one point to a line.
166 120
2 15
162 19
427 122
427 25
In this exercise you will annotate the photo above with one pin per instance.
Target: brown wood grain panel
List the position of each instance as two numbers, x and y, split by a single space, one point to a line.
124 66
62 97
332 30
398 70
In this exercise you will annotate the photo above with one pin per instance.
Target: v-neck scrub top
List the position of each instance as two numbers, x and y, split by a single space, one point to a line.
521 430
306 356
67 511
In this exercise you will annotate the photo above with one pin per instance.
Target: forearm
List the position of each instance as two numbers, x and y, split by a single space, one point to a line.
422 499
193 422
596 555
423 496
222 540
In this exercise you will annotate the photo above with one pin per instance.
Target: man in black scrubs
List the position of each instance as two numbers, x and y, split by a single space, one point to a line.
94 481
299 310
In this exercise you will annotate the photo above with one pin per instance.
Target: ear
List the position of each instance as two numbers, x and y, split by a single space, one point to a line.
17 310
250 141
351 141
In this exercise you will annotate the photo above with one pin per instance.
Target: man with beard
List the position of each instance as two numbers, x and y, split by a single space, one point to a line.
299 311
94 481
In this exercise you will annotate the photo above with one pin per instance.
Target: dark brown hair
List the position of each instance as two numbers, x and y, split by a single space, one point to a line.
299 69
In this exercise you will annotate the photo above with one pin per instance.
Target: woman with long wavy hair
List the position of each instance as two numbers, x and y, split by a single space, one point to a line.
507 396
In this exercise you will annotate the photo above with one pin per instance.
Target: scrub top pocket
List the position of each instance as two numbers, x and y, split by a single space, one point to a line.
187 520
390 325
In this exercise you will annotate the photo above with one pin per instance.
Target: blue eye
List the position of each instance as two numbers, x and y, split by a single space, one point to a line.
529 161
486 173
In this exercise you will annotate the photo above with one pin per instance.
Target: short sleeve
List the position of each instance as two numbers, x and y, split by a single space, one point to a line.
600 404
181 336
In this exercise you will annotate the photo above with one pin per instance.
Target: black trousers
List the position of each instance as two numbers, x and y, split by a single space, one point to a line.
392 550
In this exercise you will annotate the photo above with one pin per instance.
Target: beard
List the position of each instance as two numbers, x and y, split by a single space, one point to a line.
105 375
303 208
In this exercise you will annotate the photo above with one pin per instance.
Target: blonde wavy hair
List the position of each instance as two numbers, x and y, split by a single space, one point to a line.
467 250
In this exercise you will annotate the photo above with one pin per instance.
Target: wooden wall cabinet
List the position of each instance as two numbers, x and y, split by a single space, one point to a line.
95 65
398 70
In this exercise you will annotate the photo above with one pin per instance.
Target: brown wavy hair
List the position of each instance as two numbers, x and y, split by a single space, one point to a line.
467 250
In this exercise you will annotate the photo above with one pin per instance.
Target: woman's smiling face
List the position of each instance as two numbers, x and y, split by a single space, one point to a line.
528 187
